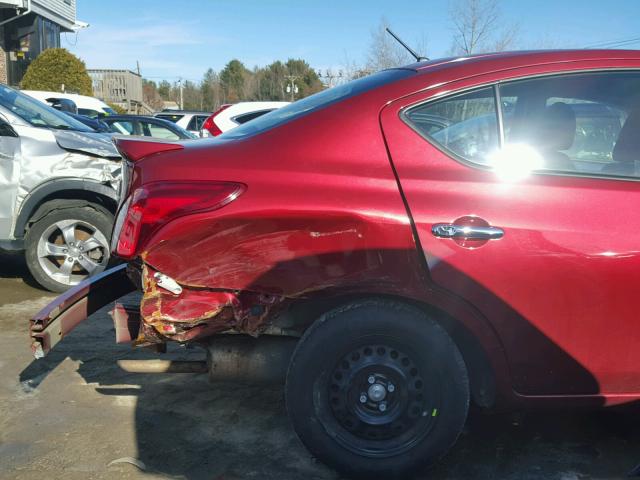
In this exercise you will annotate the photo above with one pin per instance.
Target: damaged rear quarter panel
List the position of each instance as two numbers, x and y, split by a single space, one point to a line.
317 219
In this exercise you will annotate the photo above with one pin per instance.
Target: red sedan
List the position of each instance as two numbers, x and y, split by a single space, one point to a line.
455 231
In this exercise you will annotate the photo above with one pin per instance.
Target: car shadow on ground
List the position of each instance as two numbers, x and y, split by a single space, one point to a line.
13 265
187 427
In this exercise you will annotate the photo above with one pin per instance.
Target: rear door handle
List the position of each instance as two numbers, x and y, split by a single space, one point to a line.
469 232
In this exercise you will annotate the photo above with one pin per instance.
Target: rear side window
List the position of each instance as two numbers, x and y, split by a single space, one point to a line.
87 112
576 124
244 118
122 127
158 131
195 124
315 102
170 117
465 125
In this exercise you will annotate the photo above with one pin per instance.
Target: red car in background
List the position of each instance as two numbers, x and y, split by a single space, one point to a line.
455 231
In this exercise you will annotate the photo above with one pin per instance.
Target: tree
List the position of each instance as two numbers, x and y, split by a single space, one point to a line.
150 94
164 90
478 27
385 52
232 80
210 91
56 69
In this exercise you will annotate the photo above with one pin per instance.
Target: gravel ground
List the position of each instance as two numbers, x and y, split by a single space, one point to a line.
72 414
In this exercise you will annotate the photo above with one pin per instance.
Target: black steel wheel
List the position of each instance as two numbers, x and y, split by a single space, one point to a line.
376 388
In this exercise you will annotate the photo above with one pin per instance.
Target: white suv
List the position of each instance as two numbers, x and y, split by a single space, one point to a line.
231 115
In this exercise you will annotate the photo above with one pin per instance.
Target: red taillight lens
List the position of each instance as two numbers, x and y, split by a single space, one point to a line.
210 125
155 204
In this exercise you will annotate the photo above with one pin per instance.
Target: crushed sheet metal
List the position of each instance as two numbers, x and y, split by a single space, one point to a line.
197 313
37 157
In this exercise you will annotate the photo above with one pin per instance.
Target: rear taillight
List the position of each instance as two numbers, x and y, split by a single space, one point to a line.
210 124
155 204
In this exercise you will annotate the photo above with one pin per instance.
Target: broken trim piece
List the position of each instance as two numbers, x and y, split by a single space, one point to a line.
62 315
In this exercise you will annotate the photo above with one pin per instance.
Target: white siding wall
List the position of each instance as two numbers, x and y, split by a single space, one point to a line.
59 11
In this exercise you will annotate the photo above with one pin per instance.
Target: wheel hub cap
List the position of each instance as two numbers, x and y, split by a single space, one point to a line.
377 392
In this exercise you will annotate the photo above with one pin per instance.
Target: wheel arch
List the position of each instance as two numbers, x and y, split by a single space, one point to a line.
488 372
88 191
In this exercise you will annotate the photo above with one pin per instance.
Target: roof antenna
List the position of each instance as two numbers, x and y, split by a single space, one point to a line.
409 49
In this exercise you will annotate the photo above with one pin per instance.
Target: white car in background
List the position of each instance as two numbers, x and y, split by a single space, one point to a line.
88 106
189 120
231 115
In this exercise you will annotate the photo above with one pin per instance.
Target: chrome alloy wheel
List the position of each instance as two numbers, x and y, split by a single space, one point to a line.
71 250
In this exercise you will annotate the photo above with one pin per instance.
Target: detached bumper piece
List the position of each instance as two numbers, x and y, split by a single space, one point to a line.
61 316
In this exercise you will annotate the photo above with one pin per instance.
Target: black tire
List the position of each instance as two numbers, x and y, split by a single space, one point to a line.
86 215
388 342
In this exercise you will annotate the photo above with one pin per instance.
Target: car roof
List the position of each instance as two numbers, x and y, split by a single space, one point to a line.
181 112
115 118
514 59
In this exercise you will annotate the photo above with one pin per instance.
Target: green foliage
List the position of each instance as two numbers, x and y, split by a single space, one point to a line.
232 80
55 67
236 83
164 90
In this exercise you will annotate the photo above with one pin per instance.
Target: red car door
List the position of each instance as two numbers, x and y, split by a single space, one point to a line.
540 235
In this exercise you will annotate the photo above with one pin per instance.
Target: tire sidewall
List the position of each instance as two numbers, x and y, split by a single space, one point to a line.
94 215
331 337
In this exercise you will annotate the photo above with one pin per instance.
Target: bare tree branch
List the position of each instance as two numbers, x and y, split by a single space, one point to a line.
478 27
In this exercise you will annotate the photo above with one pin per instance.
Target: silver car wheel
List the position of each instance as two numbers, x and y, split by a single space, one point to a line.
71 250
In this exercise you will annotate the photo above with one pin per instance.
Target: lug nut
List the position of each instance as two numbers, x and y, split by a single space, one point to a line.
382 407
71 244
391 388
363 398
64 250
372 379
80 257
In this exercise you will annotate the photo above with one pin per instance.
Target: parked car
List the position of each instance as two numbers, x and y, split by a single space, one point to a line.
88 106
59 190
95 124
452 232
189 120
147 127
229 116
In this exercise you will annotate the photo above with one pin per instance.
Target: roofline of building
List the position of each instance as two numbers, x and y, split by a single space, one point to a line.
115 70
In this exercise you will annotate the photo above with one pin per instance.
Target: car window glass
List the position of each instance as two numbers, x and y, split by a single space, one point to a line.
171 117
465 125
87 112
195 124
158 131
244 118
37 113
577 123
122 127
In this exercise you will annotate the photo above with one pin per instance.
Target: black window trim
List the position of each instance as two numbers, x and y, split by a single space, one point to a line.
495 85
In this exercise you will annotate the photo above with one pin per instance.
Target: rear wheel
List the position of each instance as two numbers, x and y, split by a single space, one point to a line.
377 389
68 245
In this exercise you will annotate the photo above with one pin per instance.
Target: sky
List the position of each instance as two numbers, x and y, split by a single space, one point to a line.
183 38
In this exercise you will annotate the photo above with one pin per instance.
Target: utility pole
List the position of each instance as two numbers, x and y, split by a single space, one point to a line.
292 88
330 76
138 66
180 87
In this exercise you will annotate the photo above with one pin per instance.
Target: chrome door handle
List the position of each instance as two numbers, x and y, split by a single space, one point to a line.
451 230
